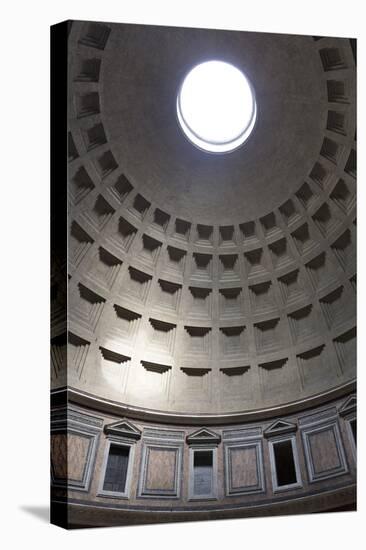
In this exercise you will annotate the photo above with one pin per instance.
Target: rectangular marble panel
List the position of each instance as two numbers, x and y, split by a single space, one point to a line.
73 448
244 468
78 451
160 472
324 451
59 456
325 456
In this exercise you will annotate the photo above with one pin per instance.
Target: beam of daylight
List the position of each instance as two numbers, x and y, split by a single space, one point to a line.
216 107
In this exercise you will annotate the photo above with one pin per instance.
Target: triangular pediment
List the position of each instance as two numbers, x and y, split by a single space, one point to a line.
280 427
123 428
349 406
202 436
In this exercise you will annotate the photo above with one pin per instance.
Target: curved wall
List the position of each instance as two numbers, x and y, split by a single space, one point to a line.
161 481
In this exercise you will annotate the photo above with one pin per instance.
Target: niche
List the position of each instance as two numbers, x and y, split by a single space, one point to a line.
284 463
116 470
202 473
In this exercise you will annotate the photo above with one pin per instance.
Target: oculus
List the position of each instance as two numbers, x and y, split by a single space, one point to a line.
216 107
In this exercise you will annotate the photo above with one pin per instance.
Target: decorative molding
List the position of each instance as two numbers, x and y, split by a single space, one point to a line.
352 434
165 434
155 367
123 428
117 514
349 406
234 371
109 406
77 352
182 229
86 308
76 417
242 434
113 356
121 189
79 244
280 427
318 417
203 436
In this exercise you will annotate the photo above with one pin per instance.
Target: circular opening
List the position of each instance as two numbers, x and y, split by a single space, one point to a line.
216 107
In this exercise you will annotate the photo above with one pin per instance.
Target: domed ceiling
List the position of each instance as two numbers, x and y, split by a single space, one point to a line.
141 75
210 284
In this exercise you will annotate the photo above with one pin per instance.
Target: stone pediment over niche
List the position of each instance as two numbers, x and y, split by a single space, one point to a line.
280 427
123 428
203 436
349 406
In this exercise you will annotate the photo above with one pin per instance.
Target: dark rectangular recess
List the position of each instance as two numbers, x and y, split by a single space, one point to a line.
116 471
353 424
203 469
285 464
